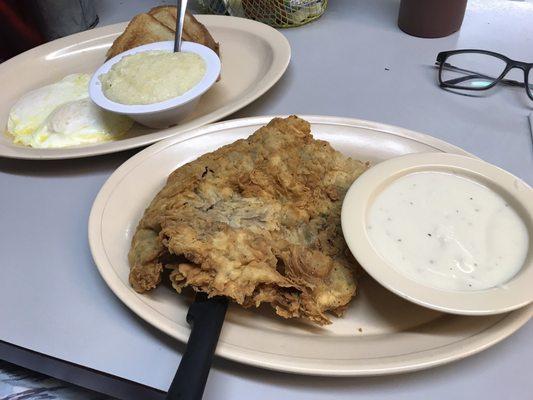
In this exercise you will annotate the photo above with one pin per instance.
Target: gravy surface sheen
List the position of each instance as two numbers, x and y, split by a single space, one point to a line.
447 231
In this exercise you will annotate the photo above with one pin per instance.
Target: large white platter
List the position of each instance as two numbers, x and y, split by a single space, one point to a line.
254 56
380 334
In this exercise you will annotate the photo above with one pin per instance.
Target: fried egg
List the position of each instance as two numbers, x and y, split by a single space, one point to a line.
77 122
61 114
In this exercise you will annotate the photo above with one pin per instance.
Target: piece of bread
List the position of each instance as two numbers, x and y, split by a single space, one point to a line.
167 15
142 29
159 24
193 30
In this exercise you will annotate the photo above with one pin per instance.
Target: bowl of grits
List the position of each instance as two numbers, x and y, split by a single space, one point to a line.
154 85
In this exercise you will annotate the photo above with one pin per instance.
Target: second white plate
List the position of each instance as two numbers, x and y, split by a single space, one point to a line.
380 334
254 57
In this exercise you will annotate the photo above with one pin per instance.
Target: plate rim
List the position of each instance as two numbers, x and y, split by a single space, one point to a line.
281 57
493 334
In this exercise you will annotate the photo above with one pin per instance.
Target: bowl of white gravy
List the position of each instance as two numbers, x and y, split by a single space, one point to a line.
448 232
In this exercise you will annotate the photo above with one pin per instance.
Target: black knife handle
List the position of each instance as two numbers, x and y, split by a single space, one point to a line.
206 317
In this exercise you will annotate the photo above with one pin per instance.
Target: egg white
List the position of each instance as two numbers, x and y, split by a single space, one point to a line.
77 122
30 111
61 114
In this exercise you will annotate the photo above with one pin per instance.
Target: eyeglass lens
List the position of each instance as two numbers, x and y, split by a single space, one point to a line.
471 70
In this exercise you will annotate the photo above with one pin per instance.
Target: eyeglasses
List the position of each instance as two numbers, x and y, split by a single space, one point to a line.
480 70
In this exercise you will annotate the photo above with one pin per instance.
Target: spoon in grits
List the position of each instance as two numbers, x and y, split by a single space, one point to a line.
182 6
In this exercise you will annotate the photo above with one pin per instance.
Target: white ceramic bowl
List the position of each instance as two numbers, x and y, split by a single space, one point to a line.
165 113
515 293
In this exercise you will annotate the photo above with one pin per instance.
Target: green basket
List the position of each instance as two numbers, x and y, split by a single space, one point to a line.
276 13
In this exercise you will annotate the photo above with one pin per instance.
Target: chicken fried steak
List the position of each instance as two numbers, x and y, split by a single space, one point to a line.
257 221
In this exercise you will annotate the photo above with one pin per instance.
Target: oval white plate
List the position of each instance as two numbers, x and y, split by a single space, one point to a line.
509 296
254 57
380 334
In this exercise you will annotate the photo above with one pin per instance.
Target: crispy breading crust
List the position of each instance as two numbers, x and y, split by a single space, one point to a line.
258 221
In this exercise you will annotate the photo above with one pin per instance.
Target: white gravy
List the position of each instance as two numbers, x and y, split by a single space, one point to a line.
447 231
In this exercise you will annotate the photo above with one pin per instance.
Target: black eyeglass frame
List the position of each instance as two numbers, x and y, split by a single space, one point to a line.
510 64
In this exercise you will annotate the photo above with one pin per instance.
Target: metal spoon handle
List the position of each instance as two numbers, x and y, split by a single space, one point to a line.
181 6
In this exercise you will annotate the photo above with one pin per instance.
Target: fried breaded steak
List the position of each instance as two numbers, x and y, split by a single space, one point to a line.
258 221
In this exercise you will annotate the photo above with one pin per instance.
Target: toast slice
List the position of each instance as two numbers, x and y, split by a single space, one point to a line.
193 31
142 29
167 15
159 24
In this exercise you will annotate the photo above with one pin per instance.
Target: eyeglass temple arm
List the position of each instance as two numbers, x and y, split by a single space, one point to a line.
474 75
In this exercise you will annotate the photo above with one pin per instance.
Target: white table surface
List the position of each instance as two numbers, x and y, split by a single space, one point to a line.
54 302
